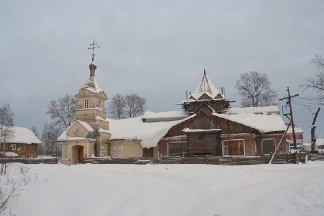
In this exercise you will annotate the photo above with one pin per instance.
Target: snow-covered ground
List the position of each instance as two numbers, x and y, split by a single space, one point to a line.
171 190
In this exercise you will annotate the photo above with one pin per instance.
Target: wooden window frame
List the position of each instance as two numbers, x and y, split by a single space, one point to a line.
275 144
223 142
172 143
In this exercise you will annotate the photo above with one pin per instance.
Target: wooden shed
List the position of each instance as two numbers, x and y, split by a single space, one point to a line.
22 145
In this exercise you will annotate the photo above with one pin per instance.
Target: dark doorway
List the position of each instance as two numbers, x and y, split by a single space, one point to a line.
268 146
148 152
81 158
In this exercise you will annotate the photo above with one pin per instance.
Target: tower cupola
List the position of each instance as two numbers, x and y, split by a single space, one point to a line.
92 67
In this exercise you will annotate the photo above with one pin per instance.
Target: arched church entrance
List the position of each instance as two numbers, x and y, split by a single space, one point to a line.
77 154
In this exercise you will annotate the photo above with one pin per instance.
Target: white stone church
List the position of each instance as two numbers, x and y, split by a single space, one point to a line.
91 133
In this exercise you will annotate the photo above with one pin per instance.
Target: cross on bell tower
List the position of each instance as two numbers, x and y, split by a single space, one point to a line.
94 45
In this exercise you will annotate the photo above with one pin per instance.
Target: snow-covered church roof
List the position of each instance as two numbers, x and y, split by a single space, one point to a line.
24 135
63 137
92 85
267 110
262 122
149 133
164 116
205 87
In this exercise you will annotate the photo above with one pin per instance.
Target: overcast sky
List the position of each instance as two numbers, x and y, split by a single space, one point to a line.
157 49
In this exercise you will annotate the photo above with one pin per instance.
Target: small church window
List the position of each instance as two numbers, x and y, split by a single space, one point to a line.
99 104
86 104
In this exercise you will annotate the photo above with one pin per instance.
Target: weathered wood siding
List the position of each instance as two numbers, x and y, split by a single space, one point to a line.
204 143
23 150
283 146
211 143
148 152
205 108
201 121
164 148
218 106
228 126
249 141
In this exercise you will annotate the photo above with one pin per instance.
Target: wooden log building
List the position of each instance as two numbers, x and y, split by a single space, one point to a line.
23 144
213 128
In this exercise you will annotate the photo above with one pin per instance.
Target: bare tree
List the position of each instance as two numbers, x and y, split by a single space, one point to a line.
255 90
50 134
7 132
318 61
116 106
316 83
134 105
63 110
40 147
128 106
35 131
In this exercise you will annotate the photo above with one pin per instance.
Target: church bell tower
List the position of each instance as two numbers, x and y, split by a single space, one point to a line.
91 108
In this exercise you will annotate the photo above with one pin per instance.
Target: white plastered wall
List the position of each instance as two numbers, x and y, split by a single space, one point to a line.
126 149
70 155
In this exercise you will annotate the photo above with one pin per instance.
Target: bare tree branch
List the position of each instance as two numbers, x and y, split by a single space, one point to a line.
318 61
116 106
255 90
135 105
128 106
7 132
50 134
316 83
40 147
63 110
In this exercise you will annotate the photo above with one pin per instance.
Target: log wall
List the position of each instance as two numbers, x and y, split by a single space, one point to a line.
23 150
249 142
228 126
200 121
283 146
163 145
218 106
204 143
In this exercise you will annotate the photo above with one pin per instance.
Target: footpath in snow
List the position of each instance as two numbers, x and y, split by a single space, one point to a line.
89 189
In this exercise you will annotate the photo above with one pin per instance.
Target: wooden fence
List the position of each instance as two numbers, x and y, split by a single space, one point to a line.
216 160
31 161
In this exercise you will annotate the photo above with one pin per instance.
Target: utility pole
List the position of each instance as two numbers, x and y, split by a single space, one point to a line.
291 115
313 127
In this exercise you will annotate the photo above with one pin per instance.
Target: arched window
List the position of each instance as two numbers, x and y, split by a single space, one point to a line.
86 104
99 104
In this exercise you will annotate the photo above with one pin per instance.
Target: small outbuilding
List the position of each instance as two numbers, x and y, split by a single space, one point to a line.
22 145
